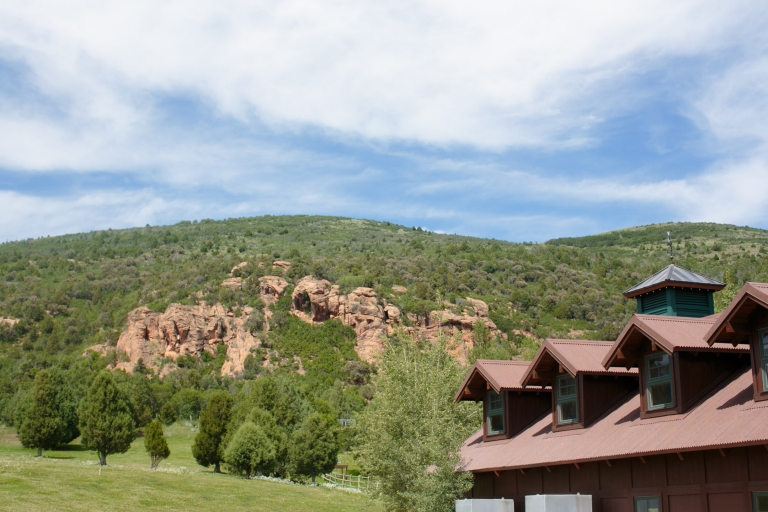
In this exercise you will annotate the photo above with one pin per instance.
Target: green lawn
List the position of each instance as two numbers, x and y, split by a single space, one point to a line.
69 480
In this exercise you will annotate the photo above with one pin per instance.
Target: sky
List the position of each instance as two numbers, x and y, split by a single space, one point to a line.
519 121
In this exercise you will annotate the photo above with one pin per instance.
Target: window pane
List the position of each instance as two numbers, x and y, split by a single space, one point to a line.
660 394
567 411
764 336
495 401
649 504
567 386
496 423
761 503
658 366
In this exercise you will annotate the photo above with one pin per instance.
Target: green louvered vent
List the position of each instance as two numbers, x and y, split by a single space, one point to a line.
654 303
694 303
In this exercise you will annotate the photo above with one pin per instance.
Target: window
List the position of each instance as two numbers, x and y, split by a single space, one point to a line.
658 386
495 413
567 404
760 501
647 504
763 339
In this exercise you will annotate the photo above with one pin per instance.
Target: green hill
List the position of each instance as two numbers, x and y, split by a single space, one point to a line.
74 291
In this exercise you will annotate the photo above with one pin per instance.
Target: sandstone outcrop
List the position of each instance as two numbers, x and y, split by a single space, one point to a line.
238 267
10 322
316 300
399 289
233 283
271 288
285 265
184 330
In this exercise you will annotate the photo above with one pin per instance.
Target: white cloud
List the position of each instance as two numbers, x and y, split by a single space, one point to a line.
492 75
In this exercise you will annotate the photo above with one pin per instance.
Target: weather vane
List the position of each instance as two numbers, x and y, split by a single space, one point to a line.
669 241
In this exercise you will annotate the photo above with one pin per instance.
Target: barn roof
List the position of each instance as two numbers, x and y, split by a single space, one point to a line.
575 356
499 375
727 417
674 276
670 333
727 329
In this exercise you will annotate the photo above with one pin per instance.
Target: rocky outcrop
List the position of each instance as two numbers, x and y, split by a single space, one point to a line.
183 330
10 322
271 288
285 265
238 267
316 300
233 283
399 289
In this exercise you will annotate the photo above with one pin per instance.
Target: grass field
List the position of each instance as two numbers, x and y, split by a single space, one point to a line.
70 480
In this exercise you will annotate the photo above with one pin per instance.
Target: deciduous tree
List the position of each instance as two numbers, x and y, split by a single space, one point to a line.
410 434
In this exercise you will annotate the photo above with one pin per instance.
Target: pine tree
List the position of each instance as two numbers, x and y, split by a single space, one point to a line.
155 444
106 422
314 447
250 451
41 424
208 448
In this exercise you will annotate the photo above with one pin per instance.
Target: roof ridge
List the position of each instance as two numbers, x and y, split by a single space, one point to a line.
579 342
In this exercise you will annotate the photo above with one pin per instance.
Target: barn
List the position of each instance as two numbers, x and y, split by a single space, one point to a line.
672 416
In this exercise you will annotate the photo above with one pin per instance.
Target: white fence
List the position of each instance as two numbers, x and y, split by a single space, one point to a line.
360 483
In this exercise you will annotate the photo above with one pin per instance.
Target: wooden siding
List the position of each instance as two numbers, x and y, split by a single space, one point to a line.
706 481
673 301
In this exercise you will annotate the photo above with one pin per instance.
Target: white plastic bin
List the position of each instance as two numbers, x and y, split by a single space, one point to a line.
485 505
558 503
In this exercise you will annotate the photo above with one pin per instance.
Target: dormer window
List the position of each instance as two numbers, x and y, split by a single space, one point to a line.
495 413
762 336
659 389
567 403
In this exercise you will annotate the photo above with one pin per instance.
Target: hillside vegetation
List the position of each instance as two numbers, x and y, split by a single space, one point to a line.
74 291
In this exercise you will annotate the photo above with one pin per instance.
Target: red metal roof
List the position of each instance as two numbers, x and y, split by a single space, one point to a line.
754 293
671 333
501 375
727 417
576 356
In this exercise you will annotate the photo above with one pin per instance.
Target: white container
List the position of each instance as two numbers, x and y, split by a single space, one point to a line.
558 503
483 505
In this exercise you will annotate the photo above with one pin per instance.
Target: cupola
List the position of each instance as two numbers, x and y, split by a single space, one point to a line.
675 291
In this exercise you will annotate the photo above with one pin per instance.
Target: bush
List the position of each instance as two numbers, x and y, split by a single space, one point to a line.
155 444
250 451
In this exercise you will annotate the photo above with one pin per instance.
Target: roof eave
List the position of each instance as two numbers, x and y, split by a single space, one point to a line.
748 291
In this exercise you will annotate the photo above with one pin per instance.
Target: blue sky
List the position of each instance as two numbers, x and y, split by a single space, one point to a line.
497 119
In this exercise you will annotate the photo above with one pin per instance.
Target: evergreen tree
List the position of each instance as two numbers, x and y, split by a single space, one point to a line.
276 434
41 424
208 448
250 451
155 444
67 400
314 447
106 422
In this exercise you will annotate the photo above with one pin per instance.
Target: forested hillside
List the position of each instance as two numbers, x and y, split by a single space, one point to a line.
59 295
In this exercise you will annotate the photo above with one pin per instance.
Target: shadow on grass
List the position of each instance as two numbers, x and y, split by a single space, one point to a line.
71 448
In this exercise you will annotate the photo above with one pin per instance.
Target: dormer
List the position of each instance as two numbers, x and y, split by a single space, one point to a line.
677 368
675 291
508 408
582 389
744 324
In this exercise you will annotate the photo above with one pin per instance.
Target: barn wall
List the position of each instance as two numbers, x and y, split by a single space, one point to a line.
706 481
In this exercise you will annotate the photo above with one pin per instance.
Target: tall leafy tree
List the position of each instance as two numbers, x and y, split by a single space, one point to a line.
410 434
250 451
155 444
208 448
106 421
314 447
41 424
